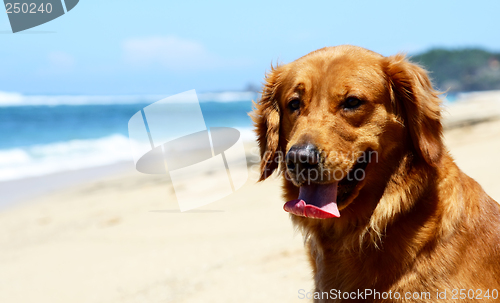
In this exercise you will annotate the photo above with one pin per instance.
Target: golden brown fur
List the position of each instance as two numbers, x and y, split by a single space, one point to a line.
416 223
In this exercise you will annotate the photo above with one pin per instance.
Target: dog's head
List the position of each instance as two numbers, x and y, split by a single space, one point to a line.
338 119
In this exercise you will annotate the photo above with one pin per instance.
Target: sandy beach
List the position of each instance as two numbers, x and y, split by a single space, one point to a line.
122 238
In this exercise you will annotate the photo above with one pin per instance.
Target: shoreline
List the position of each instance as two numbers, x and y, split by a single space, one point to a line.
24 190
470 109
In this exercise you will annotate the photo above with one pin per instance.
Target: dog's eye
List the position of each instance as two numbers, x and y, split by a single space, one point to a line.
352 103
294 105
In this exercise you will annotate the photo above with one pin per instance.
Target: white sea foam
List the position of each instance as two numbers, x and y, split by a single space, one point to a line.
43 159
37 160
16 99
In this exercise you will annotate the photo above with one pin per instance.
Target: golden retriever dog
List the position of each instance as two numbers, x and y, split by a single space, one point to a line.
386 213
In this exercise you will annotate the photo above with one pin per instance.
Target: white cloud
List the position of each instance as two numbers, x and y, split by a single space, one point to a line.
171 52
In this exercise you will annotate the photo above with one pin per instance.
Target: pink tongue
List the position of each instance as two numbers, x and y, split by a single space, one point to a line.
316 201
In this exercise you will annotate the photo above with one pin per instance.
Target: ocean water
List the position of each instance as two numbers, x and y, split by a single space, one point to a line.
40 135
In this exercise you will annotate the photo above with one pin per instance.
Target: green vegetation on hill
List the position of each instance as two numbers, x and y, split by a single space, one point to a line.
461 70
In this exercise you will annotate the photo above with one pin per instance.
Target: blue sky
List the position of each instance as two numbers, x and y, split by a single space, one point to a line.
164 47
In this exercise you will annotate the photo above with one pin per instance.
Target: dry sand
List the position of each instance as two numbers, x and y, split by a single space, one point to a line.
123 239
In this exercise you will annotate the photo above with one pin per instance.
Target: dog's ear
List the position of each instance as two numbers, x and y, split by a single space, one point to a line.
418 104
266 118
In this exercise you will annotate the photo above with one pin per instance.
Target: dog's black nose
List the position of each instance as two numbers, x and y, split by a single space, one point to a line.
302 157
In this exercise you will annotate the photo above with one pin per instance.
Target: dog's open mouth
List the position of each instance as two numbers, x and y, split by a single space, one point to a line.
320 201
